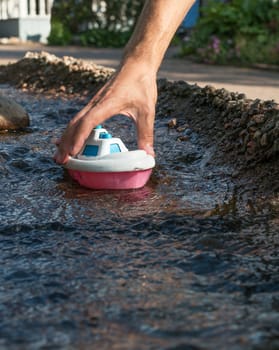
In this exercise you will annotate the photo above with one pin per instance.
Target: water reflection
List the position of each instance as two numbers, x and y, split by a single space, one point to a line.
178 264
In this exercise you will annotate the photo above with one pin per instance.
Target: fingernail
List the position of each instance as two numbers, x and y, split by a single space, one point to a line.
57 157
149 150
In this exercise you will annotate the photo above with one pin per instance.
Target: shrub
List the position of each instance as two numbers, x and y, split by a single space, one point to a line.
59 34
236 31
100 23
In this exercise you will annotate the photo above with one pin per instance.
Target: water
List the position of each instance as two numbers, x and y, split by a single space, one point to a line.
180 264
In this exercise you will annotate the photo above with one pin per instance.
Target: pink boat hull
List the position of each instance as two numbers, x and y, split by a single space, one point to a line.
111 180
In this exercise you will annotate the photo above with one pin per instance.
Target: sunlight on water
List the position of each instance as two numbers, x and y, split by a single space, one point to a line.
174 265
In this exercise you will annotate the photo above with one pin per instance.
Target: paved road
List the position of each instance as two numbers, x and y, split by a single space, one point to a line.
254 83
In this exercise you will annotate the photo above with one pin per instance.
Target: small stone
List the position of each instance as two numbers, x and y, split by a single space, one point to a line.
183 138
258 118
182 127
62 88
243 133
12 115
263 141
236 121
217 102
210 89
253 128
235 173
275 147
257 135
172 123
251 147
242 96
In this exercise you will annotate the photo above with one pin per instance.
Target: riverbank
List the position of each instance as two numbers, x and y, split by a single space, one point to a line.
244 132
254 83
187 262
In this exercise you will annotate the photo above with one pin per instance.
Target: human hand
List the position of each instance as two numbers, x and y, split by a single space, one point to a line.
132 92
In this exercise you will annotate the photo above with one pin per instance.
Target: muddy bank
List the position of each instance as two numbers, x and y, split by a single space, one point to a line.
243 133
44 72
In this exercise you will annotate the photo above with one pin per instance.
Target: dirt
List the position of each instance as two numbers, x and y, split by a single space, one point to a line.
243 133
175 265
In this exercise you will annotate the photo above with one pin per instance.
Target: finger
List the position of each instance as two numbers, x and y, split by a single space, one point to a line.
78 131
60 157
64 144
55 141
145 134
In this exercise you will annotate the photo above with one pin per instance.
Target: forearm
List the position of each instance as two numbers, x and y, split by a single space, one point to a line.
132 90
155 29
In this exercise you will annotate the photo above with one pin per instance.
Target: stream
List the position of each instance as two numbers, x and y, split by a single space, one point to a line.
177 265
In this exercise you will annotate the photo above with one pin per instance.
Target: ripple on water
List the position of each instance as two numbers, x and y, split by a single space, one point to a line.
175 265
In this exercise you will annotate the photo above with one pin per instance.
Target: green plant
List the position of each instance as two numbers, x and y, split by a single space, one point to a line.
59 34
104 38
94 22
236 31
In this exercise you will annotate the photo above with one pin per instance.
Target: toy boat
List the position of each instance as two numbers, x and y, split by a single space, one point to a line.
105 163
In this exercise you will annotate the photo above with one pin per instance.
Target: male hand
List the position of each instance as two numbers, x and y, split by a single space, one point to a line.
131 91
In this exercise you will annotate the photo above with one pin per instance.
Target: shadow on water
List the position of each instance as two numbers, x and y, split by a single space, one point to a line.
178 264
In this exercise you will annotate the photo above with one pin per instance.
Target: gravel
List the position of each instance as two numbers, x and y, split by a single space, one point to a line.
244 132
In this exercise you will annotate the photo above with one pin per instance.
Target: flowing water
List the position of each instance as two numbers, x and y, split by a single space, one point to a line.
179 264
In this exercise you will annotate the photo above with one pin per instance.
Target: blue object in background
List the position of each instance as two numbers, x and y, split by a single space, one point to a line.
192 16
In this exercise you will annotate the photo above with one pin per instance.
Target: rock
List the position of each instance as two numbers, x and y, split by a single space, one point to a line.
182 127
12 115
264 140
251 147
183 138
44 71
172 123
257 135
259 118
242 129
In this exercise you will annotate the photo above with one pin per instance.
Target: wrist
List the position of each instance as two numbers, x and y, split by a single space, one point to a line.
141 59
136 67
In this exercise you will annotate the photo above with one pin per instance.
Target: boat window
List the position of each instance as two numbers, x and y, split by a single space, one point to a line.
114 148
90 151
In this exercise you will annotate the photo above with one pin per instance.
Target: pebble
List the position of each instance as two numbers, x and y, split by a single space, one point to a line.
172 123
263 140
12 115
228 119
